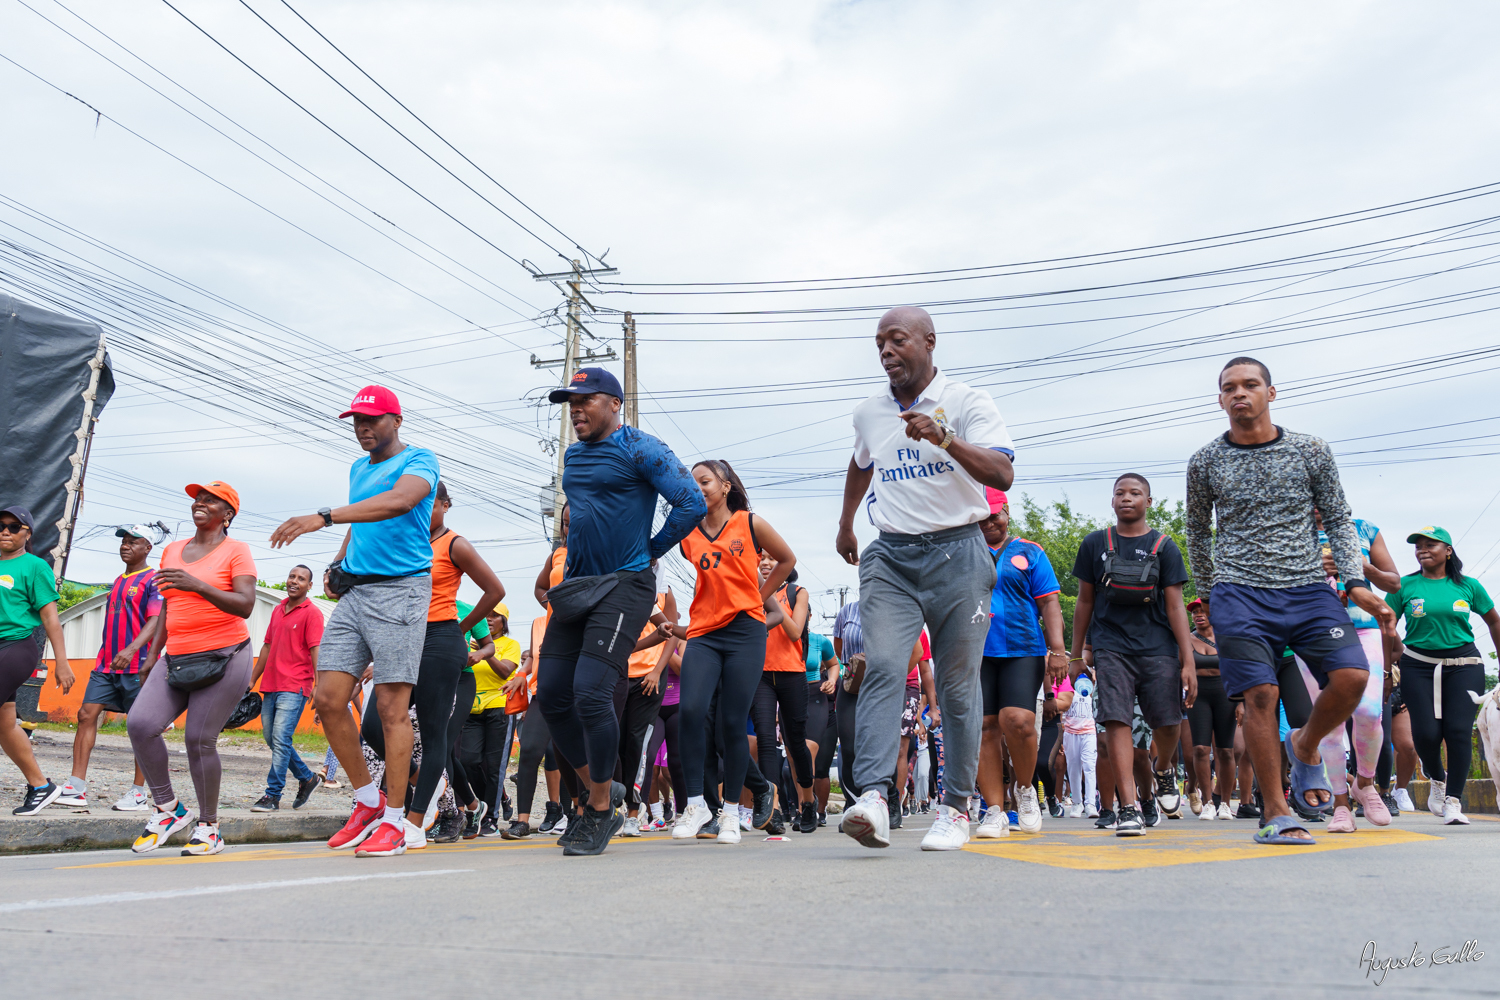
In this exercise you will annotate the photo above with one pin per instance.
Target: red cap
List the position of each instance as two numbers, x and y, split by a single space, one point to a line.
373 401
218 488
996 498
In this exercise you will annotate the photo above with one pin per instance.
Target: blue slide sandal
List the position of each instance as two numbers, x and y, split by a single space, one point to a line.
1275 830
1307 778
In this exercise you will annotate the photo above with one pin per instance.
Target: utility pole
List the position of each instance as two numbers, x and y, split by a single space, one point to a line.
569 362
632 400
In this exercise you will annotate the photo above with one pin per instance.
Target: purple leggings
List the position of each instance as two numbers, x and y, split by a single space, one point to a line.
207 711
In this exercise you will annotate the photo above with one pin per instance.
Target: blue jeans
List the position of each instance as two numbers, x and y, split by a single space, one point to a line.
279 713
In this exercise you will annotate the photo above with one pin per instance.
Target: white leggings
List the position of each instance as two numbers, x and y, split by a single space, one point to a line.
1082 751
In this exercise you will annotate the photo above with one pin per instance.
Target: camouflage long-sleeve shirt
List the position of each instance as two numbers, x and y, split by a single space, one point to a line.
1260 499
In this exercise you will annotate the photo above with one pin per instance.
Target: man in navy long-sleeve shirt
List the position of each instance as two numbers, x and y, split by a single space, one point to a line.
611 476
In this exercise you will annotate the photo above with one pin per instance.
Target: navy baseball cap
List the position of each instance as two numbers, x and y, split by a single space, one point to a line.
586 381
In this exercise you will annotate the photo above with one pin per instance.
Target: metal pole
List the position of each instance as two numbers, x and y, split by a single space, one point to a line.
565 423
80 460
632 400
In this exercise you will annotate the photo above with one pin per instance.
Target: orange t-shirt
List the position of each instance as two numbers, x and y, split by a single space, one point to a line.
538 629
728 574
783 653
445 580
193 624
559 562
643 661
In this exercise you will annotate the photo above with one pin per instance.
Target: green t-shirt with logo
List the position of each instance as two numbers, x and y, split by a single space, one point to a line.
476 636
26 587
1437 611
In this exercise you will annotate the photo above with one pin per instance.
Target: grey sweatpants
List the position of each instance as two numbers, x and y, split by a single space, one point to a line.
943 580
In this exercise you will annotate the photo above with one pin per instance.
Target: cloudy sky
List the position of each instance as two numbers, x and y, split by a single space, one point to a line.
258 255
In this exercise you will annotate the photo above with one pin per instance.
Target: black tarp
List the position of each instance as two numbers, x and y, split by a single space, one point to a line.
44 371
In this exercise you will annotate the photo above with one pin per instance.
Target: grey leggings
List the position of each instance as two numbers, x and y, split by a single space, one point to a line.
207 711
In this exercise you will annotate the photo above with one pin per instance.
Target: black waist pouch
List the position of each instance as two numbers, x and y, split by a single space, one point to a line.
341 581
572 599
192 671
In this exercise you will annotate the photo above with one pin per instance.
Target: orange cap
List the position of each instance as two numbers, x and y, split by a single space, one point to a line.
218 488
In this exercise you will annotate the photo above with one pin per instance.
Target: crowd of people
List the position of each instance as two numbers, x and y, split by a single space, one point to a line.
951 687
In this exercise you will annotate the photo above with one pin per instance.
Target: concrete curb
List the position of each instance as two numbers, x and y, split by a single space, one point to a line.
55 830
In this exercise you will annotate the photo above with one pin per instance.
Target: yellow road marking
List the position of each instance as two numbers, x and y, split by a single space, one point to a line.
1101 850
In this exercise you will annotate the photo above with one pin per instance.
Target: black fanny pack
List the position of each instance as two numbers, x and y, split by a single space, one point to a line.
192 671
572 599
340 582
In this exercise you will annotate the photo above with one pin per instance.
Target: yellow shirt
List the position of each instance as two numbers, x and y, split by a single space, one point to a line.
487 693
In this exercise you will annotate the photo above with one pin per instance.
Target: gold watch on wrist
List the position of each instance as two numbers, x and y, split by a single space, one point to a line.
948 436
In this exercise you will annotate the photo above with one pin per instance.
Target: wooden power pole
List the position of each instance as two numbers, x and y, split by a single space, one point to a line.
632 399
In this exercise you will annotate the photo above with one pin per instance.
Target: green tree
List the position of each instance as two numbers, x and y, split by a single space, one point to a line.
1171 520
1059 529
71 593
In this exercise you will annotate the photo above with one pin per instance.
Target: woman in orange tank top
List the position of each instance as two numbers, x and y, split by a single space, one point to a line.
784 684
444 673
726 647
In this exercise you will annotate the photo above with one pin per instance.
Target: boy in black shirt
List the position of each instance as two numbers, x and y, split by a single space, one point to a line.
1130 581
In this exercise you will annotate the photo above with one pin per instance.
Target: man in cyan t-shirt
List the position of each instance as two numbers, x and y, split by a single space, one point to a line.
386 564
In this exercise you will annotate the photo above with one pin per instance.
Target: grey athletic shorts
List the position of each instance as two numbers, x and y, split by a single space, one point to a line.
385 622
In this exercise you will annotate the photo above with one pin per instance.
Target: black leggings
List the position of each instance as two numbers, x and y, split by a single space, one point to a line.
789 690
1212 714
1430 733
1044 747
818 708
732 657
482 747
637 720
1387 758
828 743
19 659
844 716
536 749
671 723
442 667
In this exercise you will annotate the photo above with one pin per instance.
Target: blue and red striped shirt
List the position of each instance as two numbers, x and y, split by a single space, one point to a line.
132 600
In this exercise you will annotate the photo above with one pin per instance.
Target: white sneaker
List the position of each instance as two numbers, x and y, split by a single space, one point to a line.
1029 812
1208 811
561 827
994 825
430 816
133 801
950 831
1076 812
690 821
416 837
1403 799
869 820
1437 792
1453 812
1224 811
729 830
73 793
632 827
204 841
746 814
1093 812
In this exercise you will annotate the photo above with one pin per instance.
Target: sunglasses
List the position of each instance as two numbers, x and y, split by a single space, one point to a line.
12 527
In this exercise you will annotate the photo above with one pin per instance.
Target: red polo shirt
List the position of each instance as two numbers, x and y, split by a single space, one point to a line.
291 638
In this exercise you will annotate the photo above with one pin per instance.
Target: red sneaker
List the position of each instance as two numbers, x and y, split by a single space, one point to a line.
362 823
388 839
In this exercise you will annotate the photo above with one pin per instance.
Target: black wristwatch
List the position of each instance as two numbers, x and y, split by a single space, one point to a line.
327 515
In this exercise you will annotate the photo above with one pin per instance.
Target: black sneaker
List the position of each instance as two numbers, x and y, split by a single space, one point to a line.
893 810
809 817
474 821
598 828
450 827
822 818
518 829
709 830
1246 811
1390 803
305 790
489 826
507 808
1149 814
266 804
1129 824
1106 820
574 829
38 799
554 813
1054 807
775 827
765 805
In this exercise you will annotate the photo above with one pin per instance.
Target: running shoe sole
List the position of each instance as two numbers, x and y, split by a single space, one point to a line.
75 801
217 848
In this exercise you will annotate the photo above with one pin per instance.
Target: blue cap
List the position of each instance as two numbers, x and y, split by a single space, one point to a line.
586 381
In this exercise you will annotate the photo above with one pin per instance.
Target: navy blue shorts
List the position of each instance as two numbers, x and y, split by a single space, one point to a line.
1253 625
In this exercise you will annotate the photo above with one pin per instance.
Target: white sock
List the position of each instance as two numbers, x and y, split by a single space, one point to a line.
697 800
138 788
394 815
368 796
78 783
656 811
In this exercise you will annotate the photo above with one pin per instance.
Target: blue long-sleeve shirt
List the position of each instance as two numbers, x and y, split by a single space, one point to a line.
611 486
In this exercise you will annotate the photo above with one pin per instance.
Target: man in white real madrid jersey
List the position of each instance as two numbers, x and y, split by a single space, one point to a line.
924 450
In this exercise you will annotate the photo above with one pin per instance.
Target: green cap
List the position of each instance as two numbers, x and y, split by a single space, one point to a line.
1436 534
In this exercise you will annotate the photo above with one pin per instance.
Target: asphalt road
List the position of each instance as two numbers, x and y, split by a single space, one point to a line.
1192 910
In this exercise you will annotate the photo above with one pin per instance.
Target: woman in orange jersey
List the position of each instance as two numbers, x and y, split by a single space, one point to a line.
726 640
445 673
784 683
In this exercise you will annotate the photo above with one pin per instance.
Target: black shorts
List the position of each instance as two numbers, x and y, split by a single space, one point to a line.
818 704
1153 681
1010 682
610 630
19 659
1212 714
